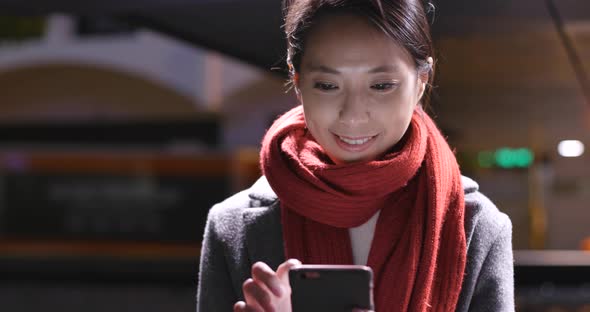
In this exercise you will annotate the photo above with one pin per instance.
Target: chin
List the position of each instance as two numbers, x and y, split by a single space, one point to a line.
349 159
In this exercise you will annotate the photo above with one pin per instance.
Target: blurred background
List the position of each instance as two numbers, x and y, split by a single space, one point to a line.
121 123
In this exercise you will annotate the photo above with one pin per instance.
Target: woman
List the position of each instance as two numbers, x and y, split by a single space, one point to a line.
359 174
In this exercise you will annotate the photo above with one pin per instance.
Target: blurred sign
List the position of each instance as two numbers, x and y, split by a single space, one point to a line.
506 158
130 198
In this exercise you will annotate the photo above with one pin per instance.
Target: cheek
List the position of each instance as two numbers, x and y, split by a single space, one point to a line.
319 112
315 124
395 112
394 106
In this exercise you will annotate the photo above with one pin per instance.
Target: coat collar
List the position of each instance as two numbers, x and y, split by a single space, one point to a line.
262 192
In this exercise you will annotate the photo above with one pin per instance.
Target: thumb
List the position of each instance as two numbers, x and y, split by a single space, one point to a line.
283 269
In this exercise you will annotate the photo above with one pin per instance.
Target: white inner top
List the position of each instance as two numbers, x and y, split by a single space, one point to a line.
361 238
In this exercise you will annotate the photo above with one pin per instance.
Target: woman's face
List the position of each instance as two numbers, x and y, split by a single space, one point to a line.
358 88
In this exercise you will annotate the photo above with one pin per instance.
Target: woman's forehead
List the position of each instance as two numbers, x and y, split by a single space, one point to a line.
348 40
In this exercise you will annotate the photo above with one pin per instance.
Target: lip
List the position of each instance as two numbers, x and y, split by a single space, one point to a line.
354 147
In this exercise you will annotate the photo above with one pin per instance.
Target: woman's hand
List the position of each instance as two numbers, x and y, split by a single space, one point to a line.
267 290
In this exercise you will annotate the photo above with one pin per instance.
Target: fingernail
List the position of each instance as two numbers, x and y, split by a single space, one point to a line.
295 262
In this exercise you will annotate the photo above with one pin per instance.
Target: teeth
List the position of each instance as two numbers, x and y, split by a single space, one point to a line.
354 142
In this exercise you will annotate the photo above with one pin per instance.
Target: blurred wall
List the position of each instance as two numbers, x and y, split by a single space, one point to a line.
515 87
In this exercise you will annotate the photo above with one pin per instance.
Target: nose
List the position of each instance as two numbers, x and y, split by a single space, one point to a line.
354 110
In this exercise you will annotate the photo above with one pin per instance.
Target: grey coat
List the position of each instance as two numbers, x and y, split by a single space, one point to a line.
246 228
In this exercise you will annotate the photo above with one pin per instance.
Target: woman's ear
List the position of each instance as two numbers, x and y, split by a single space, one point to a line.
423 77
422 81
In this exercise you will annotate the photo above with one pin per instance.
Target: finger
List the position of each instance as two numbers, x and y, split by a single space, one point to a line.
261 272
257 298
283 270
240 306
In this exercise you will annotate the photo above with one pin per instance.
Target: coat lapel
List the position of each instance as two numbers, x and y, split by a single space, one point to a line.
263 230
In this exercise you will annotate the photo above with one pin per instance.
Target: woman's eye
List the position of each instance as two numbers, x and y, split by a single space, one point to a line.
383 86
324 86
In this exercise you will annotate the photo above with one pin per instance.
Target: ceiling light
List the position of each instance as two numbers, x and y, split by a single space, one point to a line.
570 148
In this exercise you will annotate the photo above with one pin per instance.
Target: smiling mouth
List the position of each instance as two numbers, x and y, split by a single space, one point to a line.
355 141
355 144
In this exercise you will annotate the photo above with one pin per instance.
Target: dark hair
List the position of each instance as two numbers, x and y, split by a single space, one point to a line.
405 21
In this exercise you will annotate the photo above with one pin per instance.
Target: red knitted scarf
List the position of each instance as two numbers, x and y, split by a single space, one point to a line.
419 249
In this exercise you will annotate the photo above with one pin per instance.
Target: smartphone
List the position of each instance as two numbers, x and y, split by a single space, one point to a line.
335 288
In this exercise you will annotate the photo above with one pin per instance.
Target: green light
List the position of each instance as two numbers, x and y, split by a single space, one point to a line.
503 158
523 157
513 158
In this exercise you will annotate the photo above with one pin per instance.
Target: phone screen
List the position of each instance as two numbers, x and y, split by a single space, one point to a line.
331 288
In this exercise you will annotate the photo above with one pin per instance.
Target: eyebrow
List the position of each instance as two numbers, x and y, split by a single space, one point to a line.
384 69
323 69
379 69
